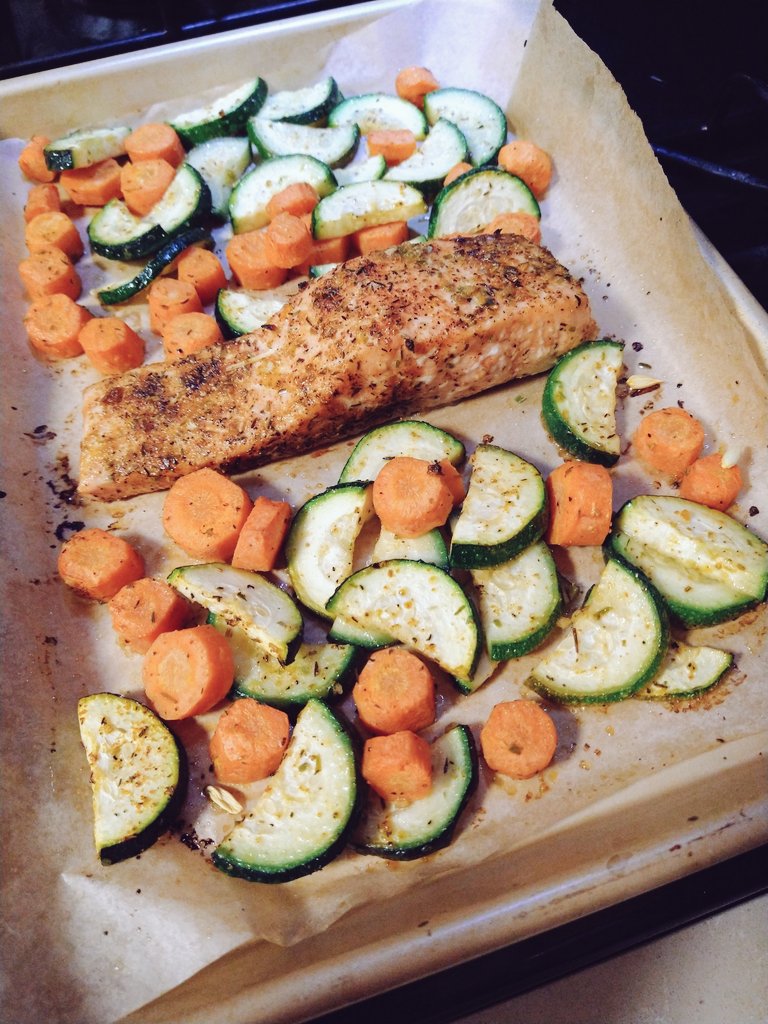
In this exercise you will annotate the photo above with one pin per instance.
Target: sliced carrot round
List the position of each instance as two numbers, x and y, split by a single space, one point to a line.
456 172
54 230
188 671
519 739
41 199
298 198
580 496
668 440
710 483
97 563
249 741
380 236
287 241
167 297
49 273
398 766
528 161
394 144
145 183
145 608
413 83
395 691
155 141
411 497
94 185
204 513
32 160
520 223
262 535
111 344
186 333
53 324
203 269
250 262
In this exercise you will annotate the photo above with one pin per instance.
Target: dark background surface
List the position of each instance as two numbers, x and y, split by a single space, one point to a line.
698 79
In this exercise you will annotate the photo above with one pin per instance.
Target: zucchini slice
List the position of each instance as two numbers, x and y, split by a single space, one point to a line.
279 138
239 311
687 671
416 438
85 147
364 204
300 821
226 115
418 604
615 642
244 600
579 401
343 631
428 824
370 169
472 200
136 773
318 670
320 546
123 291
481 121
309 105
519 602
504 511
706 565
249 198
221 162
443 148
379 111
429 547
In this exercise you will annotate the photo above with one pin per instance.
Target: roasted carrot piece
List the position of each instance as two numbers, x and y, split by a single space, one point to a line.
529 162
32 160
413 84
298 198
188 671
519 739
144 183
145 608
42 198
249 741
456 172
521 223
94 185
262 535
203 269
668 440
453 479
411 497
49 273
380 236
189 332
394 144
287 240
111 345
54 230
398 766
97 563
204 513
710 483
580 498
167 297
394 692
154 141
53 324
249 262
329 250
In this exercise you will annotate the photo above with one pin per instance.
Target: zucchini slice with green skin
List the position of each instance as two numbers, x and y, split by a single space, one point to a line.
370 169
443 148
427 824
364 204
579 401
318 670
416 438
239 311
615 642
226 115
418 604
320 545
687 671
379 111
705 564
504 511
429 547
481 121
250 197
85 147
472 200
519 602
309 105
342 631
114 294
137 773
244 600
301 819
221 163
333 146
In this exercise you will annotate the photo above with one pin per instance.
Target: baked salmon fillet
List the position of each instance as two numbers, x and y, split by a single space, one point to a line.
409 329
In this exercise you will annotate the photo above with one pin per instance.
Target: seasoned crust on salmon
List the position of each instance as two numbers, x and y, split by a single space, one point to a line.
409 329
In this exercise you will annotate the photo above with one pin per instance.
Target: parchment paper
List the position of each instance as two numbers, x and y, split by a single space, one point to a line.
90 944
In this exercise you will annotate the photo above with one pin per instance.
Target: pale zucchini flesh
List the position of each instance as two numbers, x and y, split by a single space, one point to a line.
443 148
687 671
334 146
415 438
369 169
428 547
221 162
226 115
308 105
379 112
365 204
240 311
85 147
470 202
481 120
250 197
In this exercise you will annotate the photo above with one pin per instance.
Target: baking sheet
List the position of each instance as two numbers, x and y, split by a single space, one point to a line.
638 794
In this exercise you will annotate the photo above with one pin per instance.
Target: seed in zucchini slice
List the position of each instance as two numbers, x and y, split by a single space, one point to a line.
614 644
708 567
300 821
137 777
579 401
427 824
687 671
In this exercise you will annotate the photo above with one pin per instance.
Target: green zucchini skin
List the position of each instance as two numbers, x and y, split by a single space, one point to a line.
416 438
115 294
309 106
220 122
472 200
